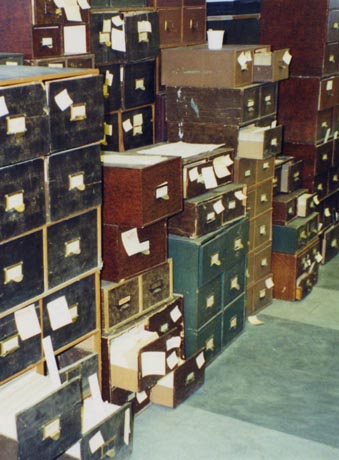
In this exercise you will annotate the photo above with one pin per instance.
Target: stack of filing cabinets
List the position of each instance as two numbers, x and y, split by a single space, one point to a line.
309 101
207 242
230 96
125 44
143 353
51 194
49 33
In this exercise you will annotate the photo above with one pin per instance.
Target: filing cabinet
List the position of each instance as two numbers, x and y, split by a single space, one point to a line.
140 189
271 65
296 274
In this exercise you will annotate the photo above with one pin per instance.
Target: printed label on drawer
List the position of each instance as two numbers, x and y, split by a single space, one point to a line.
118 40
172 360
27 322
3 107
248 173
16 124
262 230
242 60
72 247
173 342
127 125
105 38
220 166
200 360
176 314
47 41
210 301
9 345
63 100
153 363
15 201
107 25
59 313
209 177
76 181
162 191
74 312
72 11
78 112
13 273
327 212
108 129
218 207
52 429
96 442
264 262
131 243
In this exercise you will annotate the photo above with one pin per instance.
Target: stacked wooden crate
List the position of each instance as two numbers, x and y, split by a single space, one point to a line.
308 101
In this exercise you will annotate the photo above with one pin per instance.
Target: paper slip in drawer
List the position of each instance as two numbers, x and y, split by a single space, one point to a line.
147 357
47 12
205 166
69 314
46 41
22 193
129 251
173 389
107 431
73 247
271 65
168 316
20 340
233 320
140 189
259 142
21 265
24 116
39 418
76 111
73 181
127 36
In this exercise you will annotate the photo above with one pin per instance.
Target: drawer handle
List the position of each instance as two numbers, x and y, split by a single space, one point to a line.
324 157
264 262
335 25
235 283
211 216
335 178
263 198
13 273
215 260
262 293
156 287
250 105
140 84
334 243
190 378
74 312
161 192
210 344
47 42
238 244
210 301
15 201
16 124
78 112
303 235
274 142
262 230
124 303
331 58
290 211
52 429
233 322
166 26
76 181
9 345
72 247
164 328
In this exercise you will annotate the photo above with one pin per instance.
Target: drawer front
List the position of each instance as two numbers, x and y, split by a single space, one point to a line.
333 179
208 337
264 194
78 363
275 68
138 80
157 285
236 242
306 284
148 249
332 26
262 294
22 270
328 93
72 247
22 195
120 302
26 119
331 57
169 317
234 282
264 169
77 302
212 259
170 26
330 243
16 351
319 185
194 25
11 58
323 157
325 125
262 262
77 118
137 127
291 176
307 204
53 425
273 141
284 210
85 61
74 179
262 229
268 99
47 12
112 137
47 41
335 158
233 320
245 171
204 304
251 109
111 86
234 203
116 432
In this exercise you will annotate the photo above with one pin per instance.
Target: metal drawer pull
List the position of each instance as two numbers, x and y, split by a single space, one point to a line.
74 312
9 345
52 429
15 201
140 84
210 301
215 260
76 181
78 112
210 344
156 287
233 322
124 303
190 378
72 247
13 273
161 192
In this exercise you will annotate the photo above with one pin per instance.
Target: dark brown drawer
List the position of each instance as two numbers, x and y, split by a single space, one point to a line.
194 25
170 26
